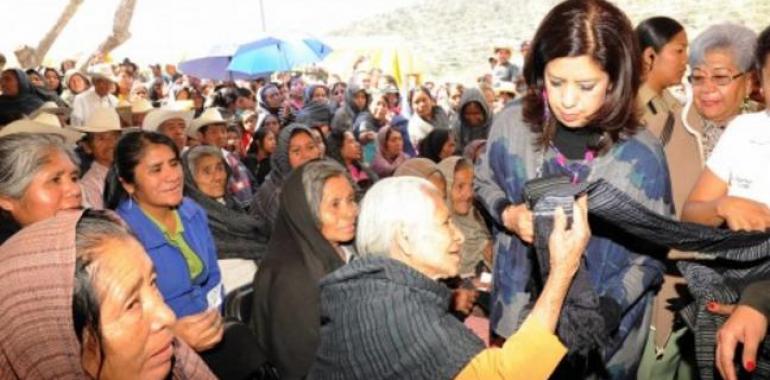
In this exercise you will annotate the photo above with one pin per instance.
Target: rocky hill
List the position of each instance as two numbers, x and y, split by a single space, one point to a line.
454 37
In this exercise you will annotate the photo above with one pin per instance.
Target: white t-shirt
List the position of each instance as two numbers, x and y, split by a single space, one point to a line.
742 157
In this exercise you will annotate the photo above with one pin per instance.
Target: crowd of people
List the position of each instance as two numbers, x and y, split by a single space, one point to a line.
158 225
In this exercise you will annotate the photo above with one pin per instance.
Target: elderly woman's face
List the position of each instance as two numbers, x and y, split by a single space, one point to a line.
135 324
54 187
436 250
211 176
9 83
576 88
461 192
719 102
338 210
158 178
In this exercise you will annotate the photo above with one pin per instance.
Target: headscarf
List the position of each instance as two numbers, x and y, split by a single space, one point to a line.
381 165
28 99
477 237
58 89
286 315
463 132
431 146
308 96
262 100
349 117
417 167
315 113
264 205
37 333
237 234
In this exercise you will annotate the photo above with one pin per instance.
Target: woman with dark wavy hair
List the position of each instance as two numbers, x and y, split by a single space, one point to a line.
578 120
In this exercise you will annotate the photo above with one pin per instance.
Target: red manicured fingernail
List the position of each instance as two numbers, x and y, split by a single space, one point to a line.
711 306
750 366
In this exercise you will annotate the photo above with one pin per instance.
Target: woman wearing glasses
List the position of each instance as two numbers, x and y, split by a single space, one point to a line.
721 61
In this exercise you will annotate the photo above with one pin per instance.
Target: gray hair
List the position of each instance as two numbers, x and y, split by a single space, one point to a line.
22 155
200 151
314 177
738 40
393 204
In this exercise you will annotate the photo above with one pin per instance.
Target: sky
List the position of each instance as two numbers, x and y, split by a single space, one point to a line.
170 30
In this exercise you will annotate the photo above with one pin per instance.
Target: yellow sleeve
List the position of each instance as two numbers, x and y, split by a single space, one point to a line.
532 353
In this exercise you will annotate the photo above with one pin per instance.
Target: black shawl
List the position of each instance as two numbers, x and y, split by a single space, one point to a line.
385 320
28 100
264 205
286 315
236 233
431 145
724 263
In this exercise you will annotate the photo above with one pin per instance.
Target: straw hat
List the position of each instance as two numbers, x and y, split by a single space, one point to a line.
208 117
101 71
52 108
501 45
102 119
32 126
157 116
48 119
504 86
141 105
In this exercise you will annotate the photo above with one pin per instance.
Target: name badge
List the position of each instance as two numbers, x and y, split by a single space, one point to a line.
214 297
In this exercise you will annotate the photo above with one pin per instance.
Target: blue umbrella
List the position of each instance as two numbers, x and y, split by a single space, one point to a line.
213 64
277 53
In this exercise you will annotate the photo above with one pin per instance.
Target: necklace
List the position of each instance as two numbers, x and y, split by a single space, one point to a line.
573 168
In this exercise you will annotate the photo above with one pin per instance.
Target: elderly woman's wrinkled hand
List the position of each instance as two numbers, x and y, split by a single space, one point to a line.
567 245
744 214
747 326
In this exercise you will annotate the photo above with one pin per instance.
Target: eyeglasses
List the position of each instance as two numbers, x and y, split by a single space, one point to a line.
717 79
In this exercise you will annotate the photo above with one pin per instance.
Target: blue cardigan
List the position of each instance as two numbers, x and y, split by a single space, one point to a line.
183 295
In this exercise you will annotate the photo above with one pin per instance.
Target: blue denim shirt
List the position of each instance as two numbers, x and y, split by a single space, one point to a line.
183 295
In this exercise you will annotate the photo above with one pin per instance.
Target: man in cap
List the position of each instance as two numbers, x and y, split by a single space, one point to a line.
102 131
98 96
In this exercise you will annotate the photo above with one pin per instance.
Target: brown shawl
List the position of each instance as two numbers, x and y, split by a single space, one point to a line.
37 335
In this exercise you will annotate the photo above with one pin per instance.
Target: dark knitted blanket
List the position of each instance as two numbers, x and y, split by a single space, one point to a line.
381 319
723 264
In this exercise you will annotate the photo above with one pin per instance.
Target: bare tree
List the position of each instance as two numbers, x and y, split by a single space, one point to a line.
120 33
32 57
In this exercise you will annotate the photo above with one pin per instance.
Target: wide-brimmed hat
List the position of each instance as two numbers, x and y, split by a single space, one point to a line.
52 108
32 126
501 45
156 117
102 119
48 119
208 117
141 105
504 86
101 71
71 73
